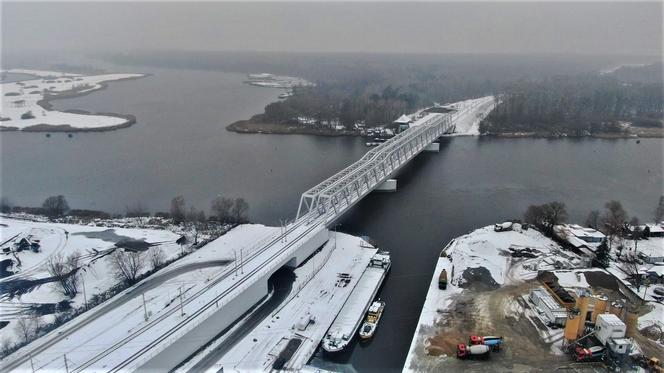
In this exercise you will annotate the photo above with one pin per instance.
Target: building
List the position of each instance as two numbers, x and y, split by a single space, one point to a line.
609 326
653 230
553 311
403 122
584 239
656 274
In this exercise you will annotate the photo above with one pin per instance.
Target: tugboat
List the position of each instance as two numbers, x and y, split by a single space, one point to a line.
373 317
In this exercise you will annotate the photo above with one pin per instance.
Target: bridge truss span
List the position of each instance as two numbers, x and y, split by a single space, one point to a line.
335 195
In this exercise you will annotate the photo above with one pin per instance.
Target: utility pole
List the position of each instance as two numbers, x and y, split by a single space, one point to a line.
145 308
66 366
32 365
85 298
181 308
241 263
235 262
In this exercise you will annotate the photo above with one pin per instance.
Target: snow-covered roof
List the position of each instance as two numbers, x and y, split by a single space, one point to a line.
546 299
405 119
655 228
579 236
609 319
657 269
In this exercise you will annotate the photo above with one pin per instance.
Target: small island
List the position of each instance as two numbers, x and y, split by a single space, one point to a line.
26 104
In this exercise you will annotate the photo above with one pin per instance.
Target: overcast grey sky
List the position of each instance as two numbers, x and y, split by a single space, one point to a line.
585 28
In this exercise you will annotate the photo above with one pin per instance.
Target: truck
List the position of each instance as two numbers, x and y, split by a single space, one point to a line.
594 353
473 351
442 280
492 341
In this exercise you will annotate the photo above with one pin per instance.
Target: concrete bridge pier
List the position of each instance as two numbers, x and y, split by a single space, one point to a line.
434 147
389 185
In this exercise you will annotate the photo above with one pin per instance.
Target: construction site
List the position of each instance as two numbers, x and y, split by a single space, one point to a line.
583 320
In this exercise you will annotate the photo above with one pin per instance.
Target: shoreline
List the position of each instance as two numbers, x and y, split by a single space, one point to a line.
45 103
254 125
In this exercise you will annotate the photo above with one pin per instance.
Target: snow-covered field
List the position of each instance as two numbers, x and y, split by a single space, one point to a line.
19 99
485 248
89 243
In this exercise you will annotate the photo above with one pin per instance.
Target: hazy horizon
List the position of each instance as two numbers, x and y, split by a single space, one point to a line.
417 28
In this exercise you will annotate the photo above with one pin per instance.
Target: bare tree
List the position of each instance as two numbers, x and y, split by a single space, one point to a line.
630 265
137 211
157 257
221 209
55 206
126 266
636 232
659 211
63 270
196 222
240 210
178 212
546 216
27 327
593 219
613 221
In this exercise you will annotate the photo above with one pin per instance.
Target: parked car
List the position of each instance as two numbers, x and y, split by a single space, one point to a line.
502 227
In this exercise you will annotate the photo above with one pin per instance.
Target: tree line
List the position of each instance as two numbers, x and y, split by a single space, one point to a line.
576 105
222 210
613 221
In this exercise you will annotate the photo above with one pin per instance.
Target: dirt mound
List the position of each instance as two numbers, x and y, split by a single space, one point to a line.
478 279
601 279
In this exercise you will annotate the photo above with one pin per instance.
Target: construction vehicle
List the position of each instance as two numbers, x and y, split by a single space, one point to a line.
653 364
473 351
594 353
442 280
491 341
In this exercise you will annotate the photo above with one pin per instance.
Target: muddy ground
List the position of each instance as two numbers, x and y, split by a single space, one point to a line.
496 312
504 312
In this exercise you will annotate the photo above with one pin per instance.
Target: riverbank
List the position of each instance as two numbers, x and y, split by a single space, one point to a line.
256 125
27 107
634 133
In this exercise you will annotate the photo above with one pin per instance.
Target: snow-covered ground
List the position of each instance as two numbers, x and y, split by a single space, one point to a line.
469 123
314 295
90 243
485 248
21 98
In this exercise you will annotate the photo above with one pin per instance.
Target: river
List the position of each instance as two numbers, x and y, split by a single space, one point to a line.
179 146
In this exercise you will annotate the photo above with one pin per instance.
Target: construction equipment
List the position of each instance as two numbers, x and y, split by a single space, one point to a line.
491 341
655 365
473 351
594 353
442 280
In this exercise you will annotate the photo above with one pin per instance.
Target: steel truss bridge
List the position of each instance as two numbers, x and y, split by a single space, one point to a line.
334 196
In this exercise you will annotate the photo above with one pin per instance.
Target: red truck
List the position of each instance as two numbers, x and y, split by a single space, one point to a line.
491 341
595 353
